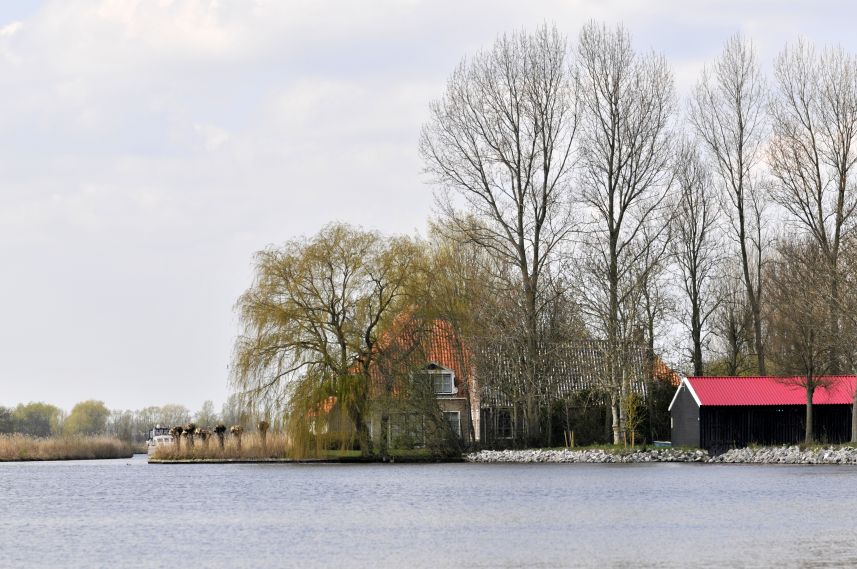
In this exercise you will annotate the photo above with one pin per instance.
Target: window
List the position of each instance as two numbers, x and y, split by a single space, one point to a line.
453 418
443 382
504 424
440 379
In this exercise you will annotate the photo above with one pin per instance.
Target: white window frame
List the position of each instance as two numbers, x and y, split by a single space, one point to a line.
439 370
443 374
458 420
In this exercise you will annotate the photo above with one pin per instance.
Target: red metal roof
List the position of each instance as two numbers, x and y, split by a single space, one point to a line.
722 391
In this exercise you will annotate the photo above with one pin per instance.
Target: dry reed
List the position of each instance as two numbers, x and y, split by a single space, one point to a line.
251 447
18 447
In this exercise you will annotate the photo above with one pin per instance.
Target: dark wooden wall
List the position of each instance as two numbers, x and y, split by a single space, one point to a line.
723 428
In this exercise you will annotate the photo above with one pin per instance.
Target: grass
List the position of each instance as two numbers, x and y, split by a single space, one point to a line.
22 447
251 448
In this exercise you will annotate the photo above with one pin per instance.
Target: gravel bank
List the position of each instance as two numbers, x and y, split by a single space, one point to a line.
588 456
760 455
788 455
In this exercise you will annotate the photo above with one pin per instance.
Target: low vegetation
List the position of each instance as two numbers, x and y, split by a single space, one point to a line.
22 447
246 447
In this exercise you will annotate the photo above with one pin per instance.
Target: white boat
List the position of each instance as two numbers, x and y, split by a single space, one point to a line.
159 436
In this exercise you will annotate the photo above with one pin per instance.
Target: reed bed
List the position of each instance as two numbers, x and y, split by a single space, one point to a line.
22 447
251 447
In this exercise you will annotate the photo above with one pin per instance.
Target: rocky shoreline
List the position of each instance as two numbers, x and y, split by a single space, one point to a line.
596 456
759 455
788 455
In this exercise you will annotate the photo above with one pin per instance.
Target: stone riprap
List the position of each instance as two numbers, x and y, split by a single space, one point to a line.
760 455
588 456
788 455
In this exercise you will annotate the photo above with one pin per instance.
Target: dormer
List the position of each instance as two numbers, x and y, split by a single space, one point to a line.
442 378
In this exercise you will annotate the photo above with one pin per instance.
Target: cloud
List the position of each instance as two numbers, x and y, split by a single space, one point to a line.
149 147
6 34
213 137
9 30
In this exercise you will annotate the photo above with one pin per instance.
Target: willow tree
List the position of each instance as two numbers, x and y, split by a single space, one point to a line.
499 144
312 321
457 288
628 102
813 154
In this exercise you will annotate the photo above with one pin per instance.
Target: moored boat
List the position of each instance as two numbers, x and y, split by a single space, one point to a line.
159 436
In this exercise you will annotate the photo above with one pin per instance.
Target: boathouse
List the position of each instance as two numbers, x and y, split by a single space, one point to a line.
718 413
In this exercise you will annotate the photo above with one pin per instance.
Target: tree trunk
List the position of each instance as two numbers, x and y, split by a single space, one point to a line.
384 441
753 292
608 424
549 427
650 408
835 357
531 421
757 333
614 408
532 410
809 434
696 334
362 433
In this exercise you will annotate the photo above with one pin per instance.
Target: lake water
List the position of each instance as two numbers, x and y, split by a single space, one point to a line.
126 513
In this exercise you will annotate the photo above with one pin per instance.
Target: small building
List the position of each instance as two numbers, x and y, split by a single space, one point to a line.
718 413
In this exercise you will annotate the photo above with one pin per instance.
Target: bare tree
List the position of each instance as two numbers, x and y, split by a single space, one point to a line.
500 146
627 105
732 322
656 302
727 112
695 246
812 153
847 309
799 312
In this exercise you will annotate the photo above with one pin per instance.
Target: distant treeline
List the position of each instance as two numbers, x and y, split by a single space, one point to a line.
92 417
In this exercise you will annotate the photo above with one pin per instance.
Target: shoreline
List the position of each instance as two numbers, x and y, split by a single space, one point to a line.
341 460
793 455
67 458
845 455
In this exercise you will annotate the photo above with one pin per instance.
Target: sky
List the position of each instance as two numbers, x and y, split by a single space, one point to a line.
149 147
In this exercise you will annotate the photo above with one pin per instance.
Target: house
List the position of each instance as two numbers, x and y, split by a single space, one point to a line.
480 393
569 370
429 356
718 413
448 370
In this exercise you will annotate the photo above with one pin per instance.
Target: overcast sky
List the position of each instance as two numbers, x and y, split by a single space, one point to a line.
149 147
